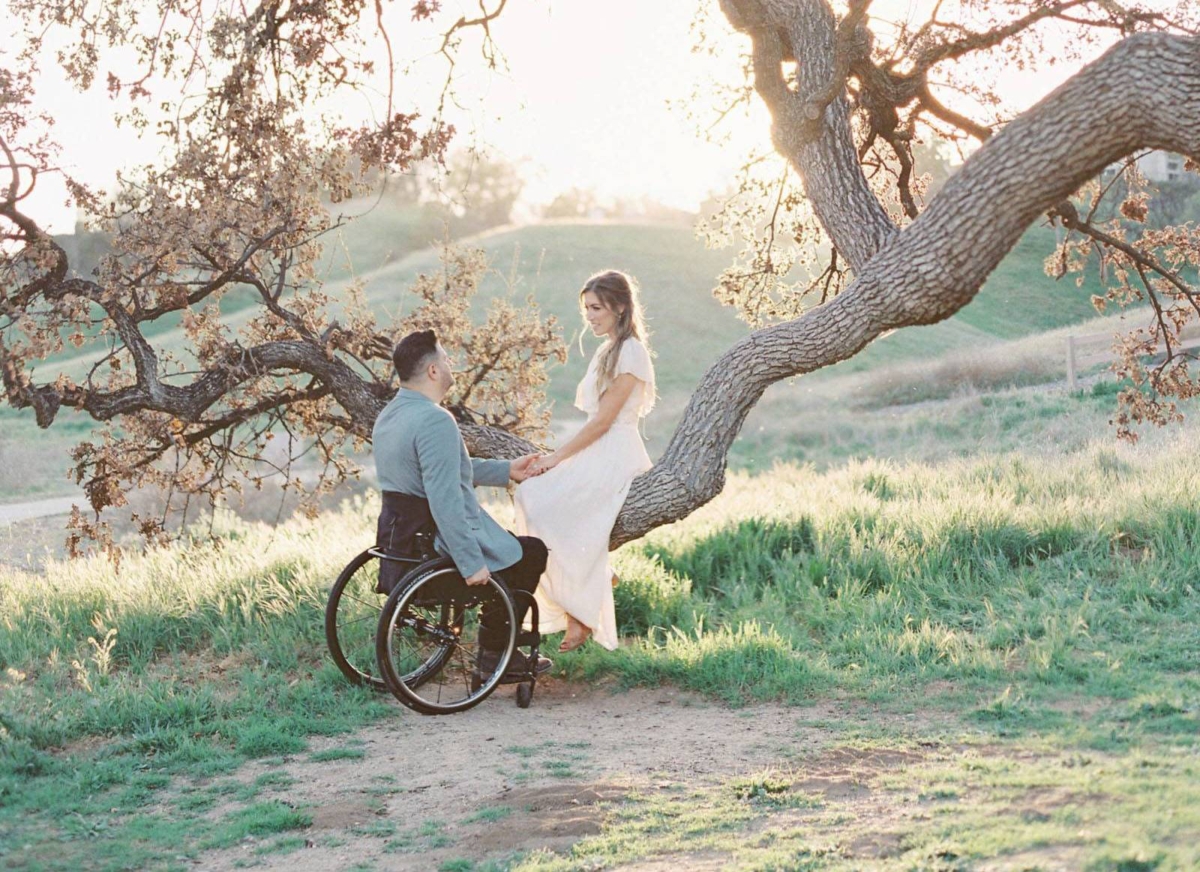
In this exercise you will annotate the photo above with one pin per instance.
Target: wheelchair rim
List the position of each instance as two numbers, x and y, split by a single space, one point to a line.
442 642
351 592
352 619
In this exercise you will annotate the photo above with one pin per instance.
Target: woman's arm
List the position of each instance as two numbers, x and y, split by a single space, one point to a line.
611 402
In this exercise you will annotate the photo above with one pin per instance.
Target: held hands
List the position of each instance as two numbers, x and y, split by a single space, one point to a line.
543 464
527 467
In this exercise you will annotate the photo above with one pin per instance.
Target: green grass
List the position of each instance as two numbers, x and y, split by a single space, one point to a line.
1044 602
941 809
123 688
33 462
550 759
331 754
490 814
260 819
1002 575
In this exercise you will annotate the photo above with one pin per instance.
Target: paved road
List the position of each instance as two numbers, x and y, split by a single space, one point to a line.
38 509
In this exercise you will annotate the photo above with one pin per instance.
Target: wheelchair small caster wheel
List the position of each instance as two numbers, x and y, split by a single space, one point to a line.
524 694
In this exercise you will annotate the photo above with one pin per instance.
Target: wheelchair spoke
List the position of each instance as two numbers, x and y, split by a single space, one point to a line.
458 663
429 641
350 616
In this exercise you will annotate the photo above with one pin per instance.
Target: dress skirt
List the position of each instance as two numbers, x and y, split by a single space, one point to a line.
572 509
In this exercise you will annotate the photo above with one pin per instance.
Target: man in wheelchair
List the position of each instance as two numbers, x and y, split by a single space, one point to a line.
428 481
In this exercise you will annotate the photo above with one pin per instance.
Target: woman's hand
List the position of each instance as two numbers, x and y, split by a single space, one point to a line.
544 464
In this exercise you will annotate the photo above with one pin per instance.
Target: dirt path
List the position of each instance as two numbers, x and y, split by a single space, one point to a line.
430 790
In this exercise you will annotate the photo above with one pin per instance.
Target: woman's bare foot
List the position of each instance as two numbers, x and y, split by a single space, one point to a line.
615 580
575 636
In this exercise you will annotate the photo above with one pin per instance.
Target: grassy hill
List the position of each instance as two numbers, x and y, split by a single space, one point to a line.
799 419
676 273
689 328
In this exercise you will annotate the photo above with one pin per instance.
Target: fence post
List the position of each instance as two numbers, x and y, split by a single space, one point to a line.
1070 362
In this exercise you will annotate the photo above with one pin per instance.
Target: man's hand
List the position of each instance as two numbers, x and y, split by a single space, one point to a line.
522 468
480 577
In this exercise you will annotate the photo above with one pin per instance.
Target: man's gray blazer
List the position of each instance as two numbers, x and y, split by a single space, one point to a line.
419 451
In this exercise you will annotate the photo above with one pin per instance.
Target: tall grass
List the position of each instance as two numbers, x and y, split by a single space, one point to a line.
1008 587
1071 574
182 663
202 640
1077 570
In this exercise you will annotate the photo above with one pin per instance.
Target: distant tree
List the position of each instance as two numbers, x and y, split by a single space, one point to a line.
235 210
479 191
405 190
573 203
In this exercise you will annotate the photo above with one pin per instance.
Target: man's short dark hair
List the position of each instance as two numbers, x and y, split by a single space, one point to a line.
412 353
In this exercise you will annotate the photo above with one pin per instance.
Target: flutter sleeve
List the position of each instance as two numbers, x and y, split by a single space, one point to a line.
635 360
587 397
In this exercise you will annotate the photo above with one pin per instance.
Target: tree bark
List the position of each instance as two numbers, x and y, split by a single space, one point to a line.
1142 93
822 148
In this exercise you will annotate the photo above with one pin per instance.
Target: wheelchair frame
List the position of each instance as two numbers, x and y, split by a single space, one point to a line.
429 608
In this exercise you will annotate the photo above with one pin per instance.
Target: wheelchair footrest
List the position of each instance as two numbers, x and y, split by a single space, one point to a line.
517 679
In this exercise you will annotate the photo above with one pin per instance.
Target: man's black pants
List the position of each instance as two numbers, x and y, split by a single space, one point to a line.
521 576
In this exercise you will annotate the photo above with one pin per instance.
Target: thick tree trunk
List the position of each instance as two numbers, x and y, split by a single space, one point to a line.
811 122
1143 93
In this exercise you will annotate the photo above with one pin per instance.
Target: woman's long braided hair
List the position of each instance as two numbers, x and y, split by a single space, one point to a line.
619 294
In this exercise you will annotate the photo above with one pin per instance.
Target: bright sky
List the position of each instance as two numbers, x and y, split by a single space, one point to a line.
583 104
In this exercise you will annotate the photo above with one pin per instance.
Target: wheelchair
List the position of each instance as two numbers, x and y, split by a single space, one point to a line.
420 641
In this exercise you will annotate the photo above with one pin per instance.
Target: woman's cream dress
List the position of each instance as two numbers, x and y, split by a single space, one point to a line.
573 506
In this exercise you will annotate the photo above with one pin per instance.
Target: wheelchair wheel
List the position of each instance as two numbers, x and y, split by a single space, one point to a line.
352 617
427 641
524 694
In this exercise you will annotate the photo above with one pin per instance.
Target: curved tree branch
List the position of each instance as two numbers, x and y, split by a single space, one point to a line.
1142 93
955 119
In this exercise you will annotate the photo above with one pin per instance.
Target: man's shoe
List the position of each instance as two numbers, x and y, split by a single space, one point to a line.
518 665
544 664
